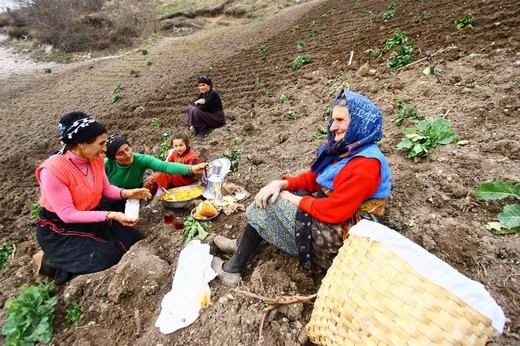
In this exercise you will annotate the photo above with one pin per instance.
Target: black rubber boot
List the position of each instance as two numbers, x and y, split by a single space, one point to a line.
246 247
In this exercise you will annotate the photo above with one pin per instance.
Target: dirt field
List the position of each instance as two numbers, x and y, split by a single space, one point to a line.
433 200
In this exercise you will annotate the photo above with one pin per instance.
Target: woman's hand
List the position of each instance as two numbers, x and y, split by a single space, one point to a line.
141 193
270 190
200 168
122 218
291 197
199 102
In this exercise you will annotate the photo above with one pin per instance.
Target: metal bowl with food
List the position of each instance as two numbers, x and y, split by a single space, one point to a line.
179 197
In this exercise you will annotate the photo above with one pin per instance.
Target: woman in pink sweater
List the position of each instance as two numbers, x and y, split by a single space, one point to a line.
76 237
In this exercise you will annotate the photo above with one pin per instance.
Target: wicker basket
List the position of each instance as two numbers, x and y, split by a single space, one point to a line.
370 296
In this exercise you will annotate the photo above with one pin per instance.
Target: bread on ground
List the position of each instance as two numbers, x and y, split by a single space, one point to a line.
205 210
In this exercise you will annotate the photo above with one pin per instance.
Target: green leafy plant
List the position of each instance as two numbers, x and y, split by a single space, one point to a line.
423 15
258 80
238 140
144 51
406 112
326 111
116 98
300 60
90 67
392 6
74 313
284 98
139 109
388 15
36 209
312 34
312 23
117 88
134 73
292 114
428 134
149 62
262 48
164 147
376 53
320 134
295 28
234 157
366 12
398 39
195 228
155 123
467 21
30 315
47 70
6 249
300 45
213 62
400 58
509 218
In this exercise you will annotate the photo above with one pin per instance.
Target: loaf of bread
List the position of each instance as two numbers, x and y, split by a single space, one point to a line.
205 210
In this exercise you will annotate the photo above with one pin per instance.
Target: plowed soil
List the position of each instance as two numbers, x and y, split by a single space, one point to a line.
433 199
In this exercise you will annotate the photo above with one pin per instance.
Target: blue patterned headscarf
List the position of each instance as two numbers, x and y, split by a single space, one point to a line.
365 128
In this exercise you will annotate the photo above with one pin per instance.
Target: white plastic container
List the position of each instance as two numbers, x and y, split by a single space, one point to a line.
132 208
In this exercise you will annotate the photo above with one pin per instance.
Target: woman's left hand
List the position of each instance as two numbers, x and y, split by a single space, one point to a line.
141 193
290 197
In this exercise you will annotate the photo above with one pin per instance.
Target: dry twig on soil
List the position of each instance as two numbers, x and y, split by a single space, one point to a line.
273 303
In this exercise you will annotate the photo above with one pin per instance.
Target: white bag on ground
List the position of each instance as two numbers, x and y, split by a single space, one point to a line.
190 290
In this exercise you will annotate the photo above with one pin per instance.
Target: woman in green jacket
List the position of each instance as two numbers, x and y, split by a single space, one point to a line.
126 169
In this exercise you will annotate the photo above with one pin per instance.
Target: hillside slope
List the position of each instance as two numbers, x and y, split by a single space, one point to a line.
433 200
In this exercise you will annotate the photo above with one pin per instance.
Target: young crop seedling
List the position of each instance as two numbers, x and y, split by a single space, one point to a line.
320 134
312 34
164 147
428 134
74 313
149 63
116 98
467 21
284 98
47 70
6 249
36 209
423 15
262 48
376 53
144 51
400 58
156 123
117 88
258 80
134 73
30 315
90 67
292 114
238 140
407 112
295 28
139 109
233 156
509 218
299 61
366 12
392 6
388 15
300 45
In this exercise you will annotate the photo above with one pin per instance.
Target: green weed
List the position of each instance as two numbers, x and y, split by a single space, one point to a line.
509 218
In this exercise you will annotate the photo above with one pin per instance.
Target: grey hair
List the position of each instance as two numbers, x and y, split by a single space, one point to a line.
341 102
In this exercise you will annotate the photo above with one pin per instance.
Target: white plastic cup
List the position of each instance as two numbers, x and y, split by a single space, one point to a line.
132 208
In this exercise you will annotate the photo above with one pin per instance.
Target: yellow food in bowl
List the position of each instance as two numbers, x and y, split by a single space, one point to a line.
182 194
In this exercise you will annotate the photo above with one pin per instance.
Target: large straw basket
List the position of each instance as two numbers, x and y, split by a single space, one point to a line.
370 296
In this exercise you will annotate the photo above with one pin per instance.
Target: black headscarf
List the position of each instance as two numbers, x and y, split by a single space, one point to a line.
113 145
205 80
81 130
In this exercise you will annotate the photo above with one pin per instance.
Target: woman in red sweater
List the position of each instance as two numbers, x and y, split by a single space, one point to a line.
309 215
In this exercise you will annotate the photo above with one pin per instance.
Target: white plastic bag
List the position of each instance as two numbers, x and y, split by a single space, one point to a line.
190 289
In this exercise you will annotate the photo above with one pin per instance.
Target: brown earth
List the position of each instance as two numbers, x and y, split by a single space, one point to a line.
433 200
